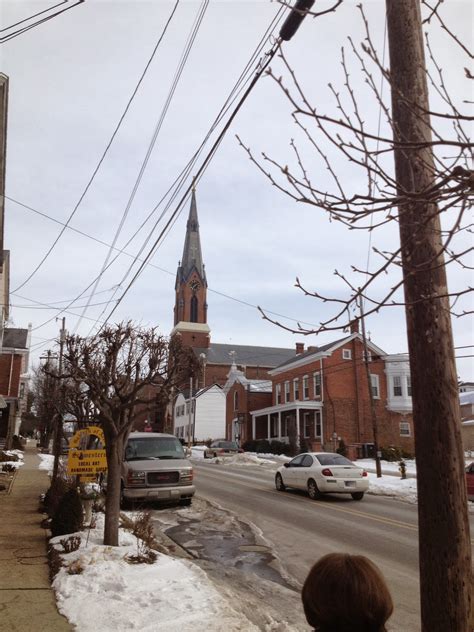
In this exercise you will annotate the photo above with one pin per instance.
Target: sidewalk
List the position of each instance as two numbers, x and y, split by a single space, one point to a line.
27 602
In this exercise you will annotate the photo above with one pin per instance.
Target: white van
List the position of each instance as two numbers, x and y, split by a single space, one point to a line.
155 468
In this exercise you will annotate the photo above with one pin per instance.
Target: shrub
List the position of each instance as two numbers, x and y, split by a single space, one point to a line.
75 568
71 544
142 528
8 467
54 494
8 456
68 515
305 445
279 447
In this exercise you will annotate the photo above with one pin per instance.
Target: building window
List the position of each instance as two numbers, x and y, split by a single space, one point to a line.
236 400
278 393
194 309
296 389
397 385
374 382
273 427
409 385
317 419
346 354
305 387
308 425
317 384
405 430
368 355
287 391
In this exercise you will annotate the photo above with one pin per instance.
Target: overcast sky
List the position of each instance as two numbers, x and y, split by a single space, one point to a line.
70 80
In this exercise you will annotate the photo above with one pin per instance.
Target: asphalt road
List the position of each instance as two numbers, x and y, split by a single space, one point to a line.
301 530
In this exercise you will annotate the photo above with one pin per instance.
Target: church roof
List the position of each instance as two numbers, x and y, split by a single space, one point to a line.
192 255
245 354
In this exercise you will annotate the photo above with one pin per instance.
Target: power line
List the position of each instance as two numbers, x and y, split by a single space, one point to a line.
102 158
24 29
181 64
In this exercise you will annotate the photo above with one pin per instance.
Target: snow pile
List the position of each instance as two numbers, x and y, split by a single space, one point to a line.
388 467
197 451
15 464
169 595
402 489
46 462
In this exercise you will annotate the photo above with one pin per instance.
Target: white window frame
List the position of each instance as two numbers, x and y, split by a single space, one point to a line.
318 427
307 421
278 393
405 429
375 385
408 385
317 384
287 391
296 388
347 354
305 387
397 386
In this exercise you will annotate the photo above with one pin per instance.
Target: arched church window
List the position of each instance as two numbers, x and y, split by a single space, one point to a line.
194 309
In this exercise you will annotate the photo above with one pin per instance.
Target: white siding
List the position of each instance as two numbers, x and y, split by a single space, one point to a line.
209 416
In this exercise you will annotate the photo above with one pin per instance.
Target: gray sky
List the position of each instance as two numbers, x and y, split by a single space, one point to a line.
70 80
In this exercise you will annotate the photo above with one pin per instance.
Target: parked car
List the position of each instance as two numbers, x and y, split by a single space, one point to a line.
470 481
221 447
323 472
155 468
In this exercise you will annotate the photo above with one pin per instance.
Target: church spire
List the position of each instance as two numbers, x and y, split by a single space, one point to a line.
192 255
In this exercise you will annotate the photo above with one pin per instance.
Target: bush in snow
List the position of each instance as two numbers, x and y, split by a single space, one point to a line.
68 516
71 544
54 494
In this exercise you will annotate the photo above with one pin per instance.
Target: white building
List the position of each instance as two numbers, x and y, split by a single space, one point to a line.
207 417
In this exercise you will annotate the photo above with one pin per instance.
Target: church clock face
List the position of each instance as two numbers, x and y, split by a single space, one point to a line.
194 285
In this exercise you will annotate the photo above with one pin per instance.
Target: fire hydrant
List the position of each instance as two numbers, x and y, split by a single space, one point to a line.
403 469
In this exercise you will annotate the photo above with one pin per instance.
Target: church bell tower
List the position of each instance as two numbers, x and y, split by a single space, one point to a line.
190 310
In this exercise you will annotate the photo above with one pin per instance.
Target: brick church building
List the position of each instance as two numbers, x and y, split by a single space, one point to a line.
321 394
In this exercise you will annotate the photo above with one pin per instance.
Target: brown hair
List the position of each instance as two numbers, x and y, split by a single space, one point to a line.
346 593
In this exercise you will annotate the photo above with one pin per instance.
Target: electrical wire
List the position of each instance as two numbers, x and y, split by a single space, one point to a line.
182 63
105 152
235 92
24 29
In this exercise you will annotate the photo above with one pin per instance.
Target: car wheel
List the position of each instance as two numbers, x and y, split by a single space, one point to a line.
279 484
215 455
313 490
357 495
185 502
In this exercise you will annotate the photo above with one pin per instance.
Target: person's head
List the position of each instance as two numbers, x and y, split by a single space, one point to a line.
346 593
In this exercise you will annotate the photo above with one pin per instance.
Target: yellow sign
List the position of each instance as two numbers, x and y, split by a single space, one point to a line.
86 462
82 436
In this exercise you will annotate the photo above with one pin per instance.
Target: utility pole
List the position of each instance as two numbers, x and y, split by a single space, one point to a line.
443 527
373 414
60 408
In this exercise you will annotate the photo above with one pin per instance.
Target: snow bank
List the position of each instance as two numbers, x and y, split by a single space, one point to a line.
15 464
46 462
111 595
403 489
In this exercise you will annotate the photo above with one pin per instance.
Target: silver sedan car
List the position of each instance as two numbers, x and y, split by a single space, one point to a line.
323 472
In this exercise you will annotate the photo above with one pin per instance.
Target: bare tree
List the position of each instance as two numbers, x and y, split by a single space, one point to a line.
115 365
412 168
43 390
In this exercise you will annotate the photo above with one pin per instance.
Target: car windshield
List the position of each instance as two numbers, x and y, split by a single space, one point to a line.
154 448
227 444
333 459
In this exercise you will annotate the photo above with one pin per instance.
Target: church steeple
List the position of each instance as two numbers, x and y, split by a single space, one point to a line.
190 311
192 255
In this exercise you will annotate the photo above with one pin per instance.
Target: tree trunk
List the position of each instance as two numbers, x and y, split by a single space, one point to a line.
444 544
114 450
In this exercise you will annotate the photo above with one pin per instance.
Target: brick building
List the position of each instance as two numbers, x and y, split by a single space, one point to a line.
322 395
190 322
14 377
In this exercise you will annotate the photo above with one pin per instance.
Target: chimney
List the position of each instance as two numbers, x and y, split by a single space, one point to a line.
312 348
299 348
354 325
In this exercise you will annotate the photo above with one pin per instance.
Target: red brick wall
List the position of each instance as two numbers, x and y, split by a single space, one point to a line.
5 367
185 293
346 398
247 401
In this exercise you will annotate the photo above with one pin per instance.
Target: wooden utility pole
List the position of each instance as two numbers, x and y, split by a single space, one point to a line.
3 155
444 543
190 417
373 414
58 434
